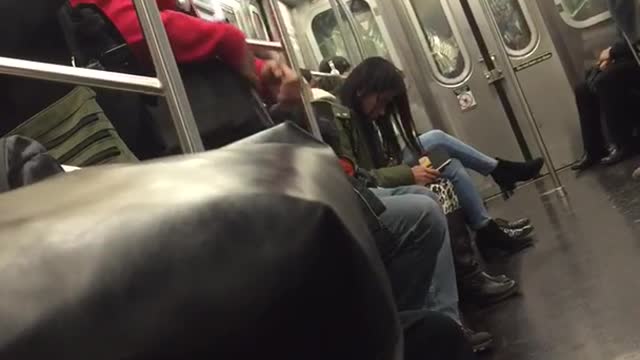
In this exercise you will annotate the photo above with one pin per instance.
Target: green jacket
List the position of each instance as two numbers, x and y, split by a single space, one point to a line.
353 146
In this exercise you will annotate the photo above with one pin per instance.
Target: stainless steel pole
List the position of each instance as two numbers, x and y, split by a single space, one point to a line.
80 76
289 53
353 24
355 57
169 76
264 45
510 72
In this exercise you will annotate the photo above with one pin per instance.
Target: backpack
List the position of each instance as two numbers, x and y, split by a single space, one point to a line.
23 162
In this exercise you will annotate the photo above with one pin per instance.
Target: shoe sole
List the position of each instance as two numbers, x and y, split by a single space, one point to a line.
485 346
493 300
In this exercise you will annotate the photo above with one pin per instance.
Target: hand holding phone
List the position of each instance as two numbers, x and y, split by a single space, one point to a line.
425 175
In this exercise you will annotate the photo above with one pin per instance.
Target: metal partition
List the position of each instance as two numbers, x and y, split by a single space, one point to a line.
168 82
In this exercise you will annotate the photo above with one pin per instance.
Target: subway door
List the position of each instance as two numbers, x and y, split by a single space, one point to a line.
472 103
518 27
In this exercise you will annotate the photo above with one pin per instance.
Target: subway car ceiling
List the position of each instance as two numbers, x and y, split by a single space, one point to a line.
481 70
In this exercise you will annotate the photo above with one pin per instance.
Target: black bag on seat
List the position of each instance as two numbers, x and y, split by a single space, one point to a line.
23 162
249 252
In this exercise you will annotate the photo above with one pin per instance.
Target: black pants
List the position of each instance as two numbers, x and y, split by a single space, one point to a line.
433 336
613 93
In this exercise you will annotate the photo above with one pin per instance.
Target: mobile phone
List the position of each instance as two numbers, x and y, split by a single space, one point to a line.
439 159
444 165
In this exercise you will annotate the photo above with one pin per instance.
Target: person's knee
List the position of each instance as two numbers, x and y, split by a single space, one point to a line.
433 137
454 169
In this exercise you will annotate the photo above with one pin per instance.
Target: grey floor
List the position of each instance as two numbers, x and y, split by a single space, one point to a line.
581 282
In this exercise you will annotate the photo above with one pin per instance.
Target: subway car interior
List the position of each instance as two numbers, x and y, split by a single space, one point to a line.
316 179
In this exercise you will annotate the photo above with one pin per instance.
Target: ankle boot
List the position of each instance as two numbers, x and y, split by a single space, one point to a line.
508 173
491 238
481 289
513 225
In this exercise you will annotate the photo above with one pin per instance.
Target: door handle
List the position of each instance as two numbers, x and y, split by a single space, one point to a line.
493 76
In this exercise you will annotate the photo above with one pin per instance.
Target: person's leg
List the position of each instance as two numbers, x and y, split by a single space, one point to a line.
470 200
589 111
505 173
421 262
434 336
470 157
618 100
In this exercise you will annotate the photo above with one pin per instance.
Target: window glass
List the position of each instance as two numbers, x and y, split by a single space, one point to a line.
581 10
259 25
368 28
443 43
513 25
327 33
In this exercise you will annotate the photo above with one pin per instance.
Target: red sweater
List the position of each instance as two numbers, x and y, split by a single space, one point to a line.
192 39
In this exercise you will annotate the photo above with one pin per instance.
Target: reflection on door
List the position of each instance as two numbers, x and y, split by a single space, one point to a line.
446 56
330 41
325 30
516 29
583 13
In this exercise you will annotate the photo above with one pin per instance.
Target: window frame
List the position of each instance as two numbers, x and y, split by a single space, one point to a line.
253 10
580 24
455 30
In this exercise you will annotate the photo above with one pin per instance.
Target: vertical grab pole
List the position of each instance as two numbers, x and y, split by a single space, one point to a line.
508 68
353 23
289 53
356 55
169 76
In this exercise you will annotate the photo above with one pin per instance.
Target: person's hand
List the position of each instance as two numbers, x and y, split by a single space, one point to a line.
603 65
605 56
425 176
283 83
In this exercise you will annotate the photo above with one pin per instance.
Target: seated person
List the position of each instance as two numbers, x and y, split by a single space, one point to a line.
418 256
607 91
375 92
337 66
195 40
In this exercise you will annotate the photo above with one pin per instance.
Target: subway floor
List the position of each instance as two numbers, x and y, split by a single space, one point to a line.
580 284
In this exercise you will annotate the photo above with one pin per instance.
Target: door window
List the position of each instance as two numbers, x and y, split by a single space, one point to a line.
516 28
327 32
448 58
583 13
258 24
368 29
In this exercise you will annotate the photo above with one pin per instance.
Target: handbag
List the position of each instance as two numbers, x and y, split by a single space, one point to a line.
76 132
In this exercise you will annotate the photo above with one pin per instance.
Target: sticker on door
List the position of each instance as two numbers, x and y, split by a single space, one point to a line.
466 100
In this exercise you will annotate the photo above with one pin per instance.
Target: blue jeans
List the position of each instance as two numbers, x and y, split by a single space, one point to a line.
421 271
463 157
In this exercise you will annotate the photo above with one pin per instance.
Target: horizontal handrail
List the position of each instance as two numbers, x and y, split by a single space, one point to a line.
81 76
326 75
265 45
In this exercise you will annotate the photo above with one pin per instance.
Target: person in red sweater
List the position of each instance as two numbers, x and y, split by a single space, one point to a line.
196 40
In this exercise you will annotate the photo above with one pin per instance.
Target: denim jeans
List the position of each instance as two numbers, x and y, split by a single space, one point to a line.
463 157
421 271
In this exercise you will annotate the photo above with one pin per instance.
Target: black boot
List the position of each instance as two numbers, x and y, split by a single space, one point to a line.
480 340
498 278
521 233
616 154
508 173
584 163
481 289
492 238
513 225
